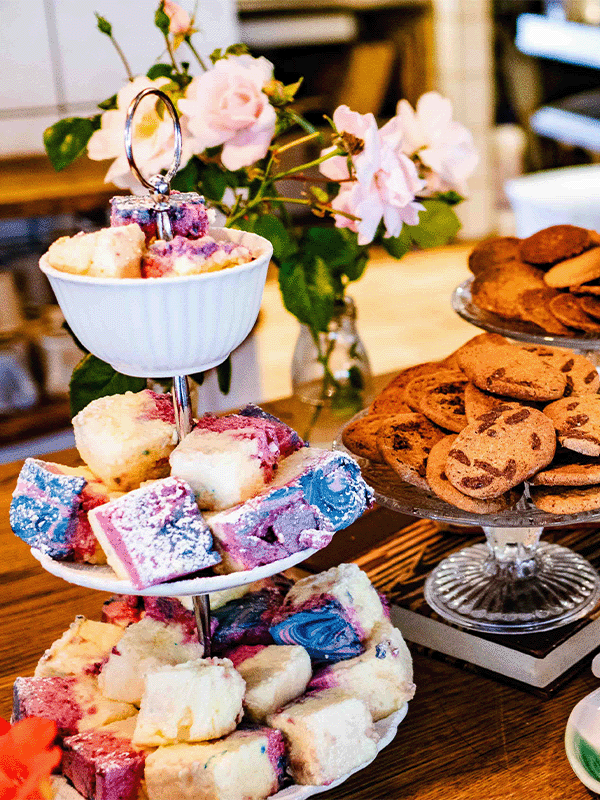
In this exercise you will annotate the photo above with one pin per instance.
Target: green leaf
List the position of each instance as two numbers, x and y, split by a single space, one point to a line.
294 289
308 289
67 139
160 71
273 229
161 20
104 25
452 198
109 104
233 50
438 225
398 246
212 181
186 180
93 378
340 248
224 375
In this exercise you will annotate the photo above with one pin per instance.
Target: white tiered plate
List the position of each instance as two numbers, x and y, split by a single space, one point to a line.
103 578
386 728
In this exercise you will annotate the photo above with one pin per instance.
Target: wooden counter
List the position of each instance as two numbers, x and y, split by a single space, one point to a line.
466 737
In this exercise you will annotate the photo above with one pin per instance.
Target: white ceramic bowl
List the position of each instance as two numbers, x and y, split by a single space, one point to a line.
159 327
582 740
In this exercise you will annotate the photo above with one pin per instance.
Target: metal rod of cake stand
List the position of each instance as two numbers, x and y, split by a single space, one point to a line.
184 422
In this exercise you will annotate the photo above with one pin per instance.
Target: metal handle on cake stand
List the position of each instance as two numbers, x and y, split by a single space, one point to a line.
160 189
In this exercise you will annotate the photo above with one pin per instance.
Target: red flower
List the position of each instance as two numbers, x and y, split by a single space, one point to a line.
27 759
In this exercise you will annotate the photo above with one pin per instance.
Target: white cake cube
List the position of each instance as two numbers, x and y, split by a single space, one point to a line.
382 676
328 734
347 584
81 649
190 702
246 765
274 676
227 459
72 254
126 439
118 252
145 646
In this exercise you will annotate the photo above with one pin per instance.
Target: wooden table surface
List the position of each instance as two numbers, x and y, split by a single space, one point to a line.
465 737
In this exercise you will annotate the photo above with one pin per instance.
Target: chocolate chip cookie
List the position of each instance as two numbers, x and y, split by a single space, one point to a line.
566 308
478 402
534 307
500 450
581 374
438 481
360 436
554 244
444 403
577 423
405 442
497 289
561 500
569 469
494 251
419 387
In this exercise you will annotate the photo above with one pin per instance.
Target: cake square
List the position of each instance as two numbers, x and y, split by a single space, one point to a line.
274 676
314 494
382 676
118 252
145 646
246 765
182 256
227 459
187 214
103 764
44 507
126 439
81 650
154 534
328 734
288 439
190 702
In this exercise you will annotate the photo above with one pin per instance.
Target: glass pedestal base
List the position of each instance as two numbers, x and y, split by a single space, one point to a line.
474 589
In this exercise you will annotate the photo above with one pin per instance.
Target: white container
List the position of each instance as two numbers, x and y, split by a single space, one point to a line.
570 195
160 327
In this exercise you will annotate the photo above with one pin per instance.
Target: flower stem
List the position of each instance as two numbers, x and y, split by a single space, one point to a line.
188 41
303 139
171 53
121 55
281 175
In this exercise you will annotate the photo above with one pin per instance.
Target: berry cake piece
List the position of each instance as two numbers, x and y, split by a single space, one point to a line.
246 765
145 646
74 703
187 214
190 702
183 256
107 253
126 439
103 764
288 439
328 734
227 459
382 676
81 650
246 620
274 676
154 534
314 494
44 507
122 609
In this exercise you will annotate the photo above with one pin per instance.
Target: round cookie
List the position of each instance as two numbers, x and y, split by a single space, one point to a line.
494 251
444 404
389 402
441 486
405 442
577 423
554 244
586 288
569 469
478 402
581 374
405 376
584 267
500 450
416 390
360 436
561 500
590 305
497 289
511 371
533 307
566 308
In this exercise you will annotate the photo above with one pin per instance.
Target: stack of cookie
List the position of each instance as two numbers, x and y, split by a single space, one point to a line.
493 415
551 279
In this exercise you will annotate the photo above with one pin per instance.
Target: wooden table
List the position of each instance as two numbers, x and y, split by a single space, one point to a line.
465 737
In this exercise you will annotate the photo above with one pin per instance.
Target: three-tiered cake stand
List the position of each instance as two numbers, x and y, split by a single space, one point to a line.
175 326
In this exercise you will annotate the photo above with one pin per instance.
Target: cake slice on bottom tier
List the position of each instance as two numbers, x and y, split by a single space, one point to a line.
246 765
314 494
83 649
328 734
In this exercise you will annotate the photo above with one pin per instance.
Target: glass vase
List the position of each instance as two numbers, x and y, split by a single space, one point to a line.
333 371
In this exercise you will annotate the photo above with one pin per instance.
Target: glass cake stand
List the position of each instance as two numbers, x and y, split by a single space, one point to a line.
511 584
588 344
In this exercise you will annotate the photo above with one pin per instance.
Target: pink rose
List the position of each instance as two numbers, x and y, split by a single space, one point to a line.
180 23
359 133
442 145
227 106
